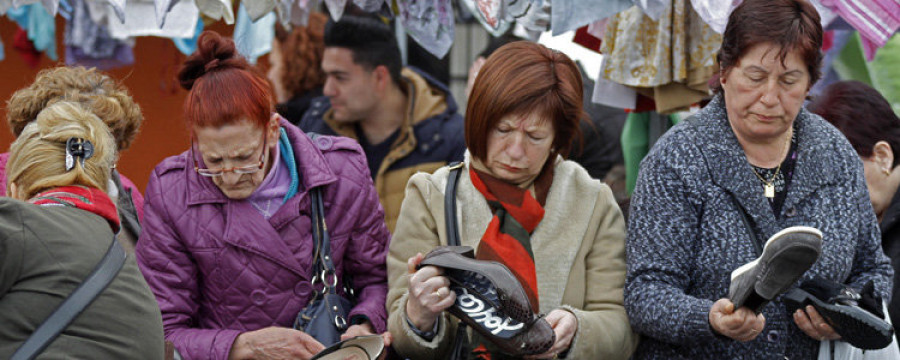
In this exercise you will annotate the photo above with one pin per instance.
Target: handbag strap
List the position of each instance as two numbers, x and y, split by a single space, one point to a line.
459 342
103 274
450 204
323 265
746 221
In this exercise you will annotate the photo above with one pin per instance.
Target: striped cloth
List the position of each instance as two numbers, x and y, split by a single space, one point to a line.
876 20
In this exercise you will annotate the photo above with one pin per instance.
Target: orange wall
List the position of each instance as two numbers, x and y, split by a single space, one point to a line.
151 82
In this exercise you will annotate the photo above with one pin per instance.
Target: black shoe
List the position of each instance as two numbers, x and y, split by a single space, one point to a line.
491 300
367 347
785 258
840 307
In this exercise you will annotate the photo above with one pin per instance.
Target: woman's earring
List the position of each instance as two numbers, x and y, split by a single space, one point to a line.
886 171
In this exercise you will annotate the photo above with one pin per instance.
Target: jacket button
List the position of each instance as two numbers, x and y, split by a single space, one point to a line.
790 212
324 143
302 289
258 297
773 336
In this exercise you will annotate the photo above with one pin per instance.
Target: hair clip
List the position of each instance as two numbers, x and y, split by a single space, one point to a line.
77 148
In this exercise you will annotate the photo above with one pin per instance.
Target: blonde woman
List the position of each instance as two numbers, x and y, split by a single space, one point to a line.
109 101
54 230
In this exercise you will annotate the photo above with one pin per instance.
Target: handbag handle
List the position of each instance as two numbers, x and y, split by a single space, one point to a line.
450 204
461 339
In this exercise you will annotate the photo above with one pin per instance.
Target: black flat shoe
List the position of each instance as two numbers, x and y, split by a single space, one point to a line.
491 300
856 326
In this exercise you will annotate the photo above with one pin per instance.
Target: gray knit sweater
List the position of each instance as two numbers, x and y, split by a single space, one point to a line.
685 234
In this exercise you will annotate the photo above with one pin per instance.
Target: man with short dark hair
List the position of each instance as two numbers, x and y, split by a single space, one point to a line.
405 120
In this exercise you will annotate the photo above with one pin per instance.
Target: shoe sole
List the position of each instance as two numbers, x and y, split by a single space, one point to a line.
802 248
856 326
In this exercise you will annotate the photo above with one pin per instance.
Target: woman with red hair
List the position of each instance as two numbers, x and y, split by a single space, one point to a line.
558 230
227 245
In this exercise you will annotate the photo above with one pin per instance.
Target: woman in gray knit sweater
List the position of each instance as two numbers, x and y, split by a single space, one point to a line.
753 149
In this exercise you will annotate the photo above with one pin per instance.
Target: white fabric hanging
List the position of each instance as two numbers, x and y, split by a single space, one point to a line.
258 8
181 22
253 38
369 5
490 14
653 8
216 9
336 8
572 14
429 22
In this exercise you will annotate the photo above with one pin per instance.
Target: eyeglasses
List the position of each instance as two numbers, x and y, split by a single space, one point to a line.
250 169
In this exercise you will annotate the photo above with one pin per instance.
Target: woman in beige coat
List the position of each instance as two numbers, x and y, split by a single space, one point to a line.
517 199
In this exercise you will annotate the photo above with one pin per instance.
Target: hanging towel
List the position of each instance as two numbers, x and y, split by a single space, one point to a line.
299 14
490 14
180 22
89 44
538 16
39 25
572 14
429 22
256 9
369 5
876 20
653 8
187 46
216 9
336 8
253 39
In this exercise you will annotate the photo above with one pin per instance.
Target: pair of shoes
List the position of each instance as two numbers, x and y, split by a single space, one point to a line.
858 318
786 256
491 300
367 347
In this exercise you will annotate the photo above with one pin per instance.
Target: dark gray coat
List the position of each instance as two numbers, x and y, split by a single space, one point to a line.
45 253
685 234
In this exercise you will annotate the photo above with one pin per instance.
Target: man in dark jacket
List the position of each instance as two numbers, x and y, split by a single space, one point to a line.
405 120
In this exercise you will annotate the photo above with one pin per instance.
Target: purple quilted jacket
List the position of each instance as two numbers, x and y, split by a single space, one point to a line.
218 268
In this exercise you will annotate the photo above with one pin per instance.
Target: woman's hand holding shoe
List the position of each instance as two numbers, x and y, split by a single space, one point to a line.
274 343
429 294
814 325
741 324
564 325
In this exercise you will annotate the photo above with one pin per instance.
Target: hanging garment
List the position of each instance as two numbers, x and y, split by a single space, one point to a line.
162 8
572 14
715 12
369 5
299 14
215 9
429 22
653 8
256 9
2 52
670 60
118 7
89 44
597 28
39 26
52 6
640 133
5 5
253 39
537 18
180 22
886 73
336 8
490 14
187 46
876 20
25 47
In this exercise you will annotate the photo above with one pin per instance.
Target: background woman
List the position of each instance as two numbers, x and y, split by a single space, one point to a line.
872 127
520 121
685 232
227 245
55 234
105 98
295 66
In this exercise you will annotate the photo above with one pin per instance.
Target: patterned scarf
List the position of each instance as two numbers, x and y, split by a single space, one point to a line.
85 198
516 214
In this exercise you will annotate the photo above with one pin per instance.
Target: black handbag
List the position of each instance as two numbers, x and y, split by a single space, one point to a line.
325 317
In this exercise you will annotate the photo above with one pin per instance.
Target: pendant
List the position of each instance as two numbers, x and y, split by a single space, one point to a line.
770 191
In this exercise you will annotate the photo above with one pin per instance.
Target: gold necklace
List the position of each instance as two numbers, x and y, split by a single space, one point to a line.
769 185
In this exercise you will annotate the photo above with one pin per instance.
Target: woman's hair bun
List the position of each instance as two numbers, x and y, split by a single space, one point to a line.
214 52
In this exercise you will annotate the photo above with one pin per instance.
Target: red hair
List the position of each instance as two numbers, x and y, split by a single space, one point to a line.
223 87
524 77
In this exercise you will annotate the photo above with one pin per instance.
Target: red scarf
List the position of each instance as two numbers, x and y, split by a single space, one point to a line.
516 214
85 198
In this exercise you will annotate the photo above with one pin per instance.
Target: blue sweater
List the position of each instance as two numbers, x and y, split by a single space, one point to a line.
685 234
